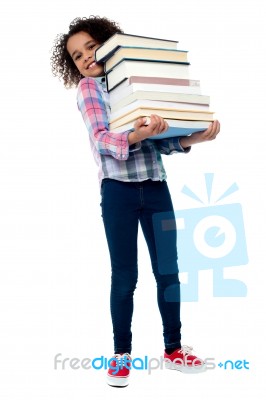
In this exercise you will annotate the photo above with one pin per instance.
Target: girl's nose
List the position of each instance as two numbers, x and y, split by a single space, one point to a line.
87 58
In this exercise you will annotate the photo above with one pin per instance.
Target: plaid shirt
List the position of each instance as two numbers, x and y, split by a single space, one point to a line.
115 158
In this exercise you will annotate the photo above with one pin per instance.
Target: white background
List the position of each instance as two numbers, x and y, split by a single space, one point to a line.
55 273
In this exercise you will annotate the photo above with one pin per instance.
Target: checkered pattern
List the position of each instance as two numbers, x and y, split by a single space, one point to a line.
111 151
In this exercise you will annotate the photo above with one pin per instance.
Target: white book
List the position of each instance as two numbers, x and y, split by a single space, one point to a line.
106 50
169 113
156 104
127 68
122 90
176 128
178 98
145 53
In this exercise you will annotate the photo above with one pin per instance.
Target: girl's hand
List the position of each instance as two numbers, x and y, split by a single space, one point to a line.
156 126
210 133
199 137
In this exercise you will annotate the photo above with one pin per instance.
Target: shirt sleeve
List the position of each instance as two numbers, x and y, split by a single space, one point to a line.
93 109
170 146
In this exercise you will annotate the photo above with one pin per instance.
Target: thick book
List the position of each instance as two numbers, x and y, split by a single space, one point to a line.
106 50
176 128
158 104
183 98
127 68
147 53
169 113
154 84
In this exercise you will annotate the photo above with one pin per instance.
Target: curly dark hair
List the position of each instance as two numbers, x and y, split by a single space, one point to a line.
100 28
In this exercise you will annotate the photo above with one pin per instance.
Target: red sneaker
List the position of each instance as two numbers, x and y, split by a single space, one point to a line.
119 370
183 360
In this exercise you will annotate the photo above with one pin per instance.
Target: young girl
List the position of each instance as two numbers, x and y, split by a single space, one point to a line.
133 187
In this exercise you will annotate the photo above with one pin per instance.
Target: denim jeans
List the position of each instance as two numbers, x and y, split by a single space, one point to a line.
124 205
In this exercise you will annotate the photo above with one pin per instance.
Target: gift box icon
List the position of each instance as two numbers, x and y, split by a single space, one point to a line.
210 237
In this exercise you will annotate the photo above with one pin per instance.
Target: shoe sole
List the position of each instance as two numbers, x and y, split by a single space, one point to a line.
117 381
184 368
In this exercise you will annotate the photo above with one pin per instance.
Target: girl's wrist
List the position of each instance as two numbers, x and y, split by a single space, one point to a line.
187 141
134 137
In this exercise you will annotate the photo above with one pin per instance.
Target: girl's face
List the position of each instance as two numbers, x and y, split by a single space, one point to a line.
81 48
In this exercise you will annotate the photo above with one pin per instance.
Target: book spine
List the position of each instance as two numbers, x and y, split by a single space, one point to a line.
145 54
103 58
124 90
178 103
195 126
145 60
110 88
190 115
163 81
118 41
127 68
160 105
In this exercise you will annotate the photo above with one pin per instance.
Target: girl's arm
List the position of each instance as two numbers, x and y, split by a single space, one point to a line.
183 144
200 137
92 107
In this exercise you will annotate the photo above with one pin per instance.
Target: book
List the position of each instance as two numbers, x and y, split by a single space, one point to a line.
155 84
158 104
169 113
106 50
160 80
176 128
183 98
127 68
140 53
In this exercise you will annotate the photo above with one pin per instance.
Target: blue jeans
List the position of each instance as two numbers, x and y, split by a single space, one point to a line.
124 205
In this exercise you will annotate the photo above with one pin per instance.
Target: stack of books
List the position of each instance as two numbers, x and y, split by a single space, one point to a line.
145 76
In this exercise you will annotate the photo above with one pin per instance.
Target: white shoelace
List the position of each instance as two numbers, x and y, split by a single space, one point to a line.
186 350
118 356
121 358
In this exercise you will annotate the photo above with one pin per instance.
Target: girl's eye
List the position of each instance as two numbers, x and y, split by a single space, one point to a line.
91 46
77 57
